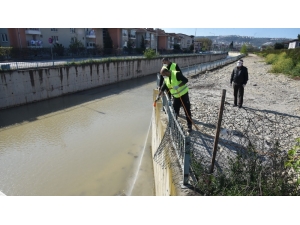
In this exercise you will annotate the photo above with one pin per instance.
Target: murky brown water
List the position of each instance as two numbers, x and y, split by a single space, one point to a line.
88 143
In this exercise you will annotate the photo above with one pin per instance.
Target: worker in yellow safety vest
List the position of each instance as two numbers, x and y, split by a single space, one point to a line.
170 66
176 83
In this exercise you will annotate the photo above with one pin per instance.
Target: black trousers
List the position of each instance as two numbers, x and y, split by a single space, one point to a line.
238 94
185 102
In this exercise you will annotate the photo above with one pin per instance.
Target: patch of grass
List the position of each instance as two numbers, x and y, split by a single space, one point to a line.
283 61
254 174
271 58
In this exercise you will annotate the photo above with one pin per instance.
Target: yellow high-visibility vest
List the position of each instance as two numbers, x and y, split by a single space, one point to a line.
174 82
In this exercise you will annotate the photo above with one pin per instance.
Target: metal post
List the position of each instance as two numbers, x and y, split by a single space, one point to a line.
217 132
156 42
186 165
52 54
189 67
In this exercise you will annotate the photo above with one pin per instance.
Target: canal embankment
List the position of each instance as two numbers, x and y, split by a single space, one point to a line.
18 87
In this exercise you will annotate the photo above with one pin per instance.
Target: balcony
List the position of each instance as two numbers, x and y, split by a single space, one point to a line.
33 31
90 34
34 44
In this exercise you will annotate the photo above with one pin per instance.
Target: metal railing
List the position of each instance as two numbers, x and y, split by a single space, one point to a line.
196 69
38 64
174 135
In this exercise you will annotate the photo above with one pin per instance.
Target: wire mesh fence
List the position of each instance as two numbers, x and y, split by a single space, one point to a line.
253 147
240 128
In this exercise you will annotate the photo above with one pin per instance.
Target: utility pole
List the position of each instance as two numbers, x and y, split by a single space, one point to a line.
156 42
194 41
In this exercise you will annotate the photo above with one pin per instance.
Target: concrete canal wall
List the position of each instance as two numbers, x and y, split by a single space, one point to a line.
166 184
19 87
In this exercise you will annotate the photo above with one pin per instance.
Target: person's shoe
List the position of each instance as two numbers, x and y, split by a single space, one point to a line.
190 129
234 106
240 106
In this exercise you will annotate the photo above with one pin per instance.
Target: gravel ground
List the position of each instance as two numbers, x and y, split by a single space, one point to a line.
264 90
274 95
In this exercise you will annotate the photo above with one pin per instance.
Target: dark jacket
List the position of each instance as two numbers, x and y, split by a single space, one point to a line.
161 80
239 76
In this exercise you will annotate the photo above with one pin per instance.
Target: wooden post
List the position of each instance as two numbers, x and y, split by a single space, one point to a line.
217 132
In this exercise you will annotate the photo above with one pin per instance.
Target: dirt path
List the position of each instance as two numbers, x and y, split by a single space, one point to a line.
264 90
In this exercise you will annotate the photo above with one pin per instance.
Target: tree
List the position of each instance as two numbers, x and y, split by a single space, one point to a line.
176 48
107 42
76 46
244 49
129 46
192 47
231 46
299 37
278 46
206 43
143 47
58 49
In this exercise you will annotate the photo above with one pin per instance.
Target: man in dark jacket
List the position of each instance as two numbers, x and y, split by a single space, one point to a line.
239 78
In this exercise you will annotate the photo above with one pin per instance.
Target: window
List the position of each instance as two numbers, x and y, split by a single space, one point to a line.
72 30
90 44
55 39
4 38
53 29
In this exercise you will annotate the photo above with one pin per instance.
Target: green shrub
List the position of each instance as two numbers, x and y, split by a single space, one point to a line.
283 60
5 52
271 58
149 53
283 65
244 49
296 70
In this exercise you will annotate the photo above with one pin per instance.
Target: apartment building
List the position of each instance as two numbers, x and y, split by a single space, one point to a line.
122 36
4 38
153 38
186 41
149 36
162 39
170 41
177 40
92 37
40 37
